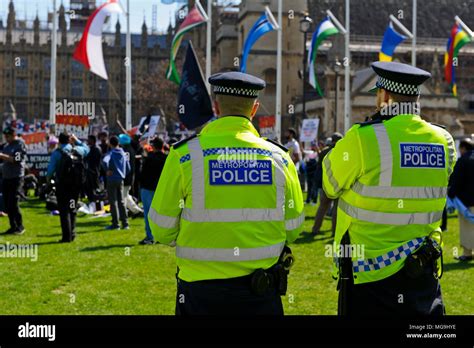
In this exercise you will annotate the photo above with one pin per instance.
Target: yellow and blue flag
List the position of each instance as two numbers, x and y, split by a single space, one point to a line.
391 39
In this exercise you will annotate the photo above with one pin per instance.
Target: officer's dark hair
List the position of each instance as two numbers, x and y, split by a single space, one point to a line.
467 144
292 131
63 138
114 141
92 138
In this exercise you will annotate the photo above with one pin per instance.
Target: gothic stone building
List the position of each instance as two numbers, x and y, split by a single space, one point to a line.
25 60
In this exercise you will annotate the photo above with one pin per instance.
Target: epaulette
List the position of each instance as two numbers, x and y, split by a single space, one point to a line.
276 143
437 125
368 123
184 141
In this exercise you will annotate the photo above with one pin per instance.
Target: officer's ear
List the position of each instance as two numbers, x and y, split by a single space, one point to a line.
217 109
255 106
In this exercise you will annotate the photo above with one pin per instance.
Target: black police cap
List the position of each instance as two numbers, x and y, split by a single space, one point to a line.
237 84
399 78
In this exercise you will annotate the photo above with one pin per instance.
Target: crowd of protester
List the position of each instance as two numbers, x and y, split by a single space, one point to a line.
120 171
115 170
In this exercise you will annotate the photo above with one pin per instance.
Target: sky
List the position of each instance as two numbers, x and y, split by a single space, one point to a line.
139 10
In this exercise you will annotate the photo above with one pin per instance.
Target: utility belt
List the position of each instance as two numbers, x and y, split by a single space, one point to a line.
261 280
274 277
421 262
425 259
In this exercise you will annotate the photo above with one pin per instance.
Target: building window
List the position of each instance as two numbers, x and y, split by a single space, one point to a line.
470 105
270 79
76 66
21 87
46 87
21 111
21 63
76 88
47 64
103 89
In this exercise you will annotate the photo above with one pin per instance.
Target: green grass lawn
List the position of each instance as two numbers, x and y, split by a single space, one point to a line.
107 272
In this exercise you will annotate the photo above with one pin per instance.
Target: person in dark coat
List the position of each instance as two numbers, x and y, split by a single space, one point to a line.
461 185
93 166
152 166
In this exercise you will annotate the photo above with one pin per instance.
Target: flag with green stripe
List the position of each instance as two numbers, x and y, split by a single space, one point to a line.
194 18
325 29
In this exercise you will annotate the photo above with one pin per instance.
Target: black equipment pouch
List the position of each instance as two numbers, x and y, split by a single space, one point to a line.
427 255
276 276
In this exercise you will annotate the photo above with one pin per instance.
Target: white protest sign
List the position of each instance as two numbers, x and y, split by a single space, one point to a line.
309 129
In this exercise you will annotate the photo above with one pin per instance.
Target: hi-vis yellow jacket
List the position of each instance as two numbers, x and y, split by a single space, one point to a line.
391 179
229 199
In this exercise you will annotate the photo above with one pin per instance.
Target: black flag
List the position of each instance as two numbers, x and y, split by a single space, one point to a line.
194 103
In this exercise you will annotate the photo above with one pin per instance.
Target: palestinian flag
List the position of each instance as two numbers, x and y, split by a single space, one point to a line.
457 40
194 18
325 29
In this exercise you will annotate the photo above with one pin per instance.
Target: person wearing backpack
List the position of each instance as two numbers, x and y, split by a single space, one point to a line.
67 168
116 166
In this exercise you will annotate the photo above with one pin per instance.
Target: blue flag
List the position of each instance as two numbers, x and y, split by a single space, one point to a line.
391 39
262 26
194 103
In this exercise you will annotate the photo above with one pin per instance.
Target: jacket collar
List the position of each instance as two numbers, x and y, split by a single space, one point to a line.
230 124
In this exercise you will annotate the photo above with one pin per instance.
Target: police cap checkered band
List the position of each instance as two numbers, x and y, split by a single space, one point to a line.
400 78
240 92
236 83
397 87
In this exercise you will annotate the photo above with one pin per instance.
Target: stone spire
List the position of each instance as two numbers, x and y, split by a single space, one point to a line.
144 35
36 28
118 35
10 21
63 25
169 34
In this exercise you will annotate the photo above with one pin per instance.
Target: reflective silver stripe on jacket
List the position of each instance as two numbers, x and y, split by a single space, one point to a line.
332 180
230 255
386 156
399 192
390 218
451 150
389 258
198 213
163 220
294 223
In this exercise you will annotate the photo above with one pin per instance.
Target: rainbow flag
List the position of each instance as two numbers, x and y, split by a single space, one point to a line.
457 40
194 18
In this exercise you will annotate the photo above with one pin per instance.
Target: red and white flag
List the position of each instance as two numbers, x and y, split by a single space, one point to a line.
89 49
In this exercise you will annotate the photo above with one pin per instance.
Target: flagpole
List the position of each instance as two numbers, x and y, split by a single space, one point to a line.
208 44
52 81
413 41
464 26
279 65
128 69
347 72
